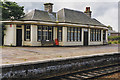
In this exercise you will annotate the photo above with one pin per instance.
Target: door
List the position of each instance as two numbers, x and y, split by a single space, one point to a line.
85 38
19 37
104 37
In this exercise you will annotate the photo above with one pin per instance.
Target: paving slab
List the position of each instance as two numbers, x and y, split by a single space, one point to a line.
11 55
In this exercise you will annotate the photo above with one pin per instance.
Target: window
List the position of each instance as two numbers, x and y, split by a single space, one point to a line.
96 32
60 33
68 34
27 32
39 33
104 35
50 33
45 33
71 34
91 35
100 35
98 38
79 34
95 35
74 34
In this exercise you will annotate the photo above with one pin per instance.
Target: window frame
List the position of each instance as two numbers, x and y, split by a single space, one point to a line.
60 32
38 33
95 35
45 33
26 29
74 34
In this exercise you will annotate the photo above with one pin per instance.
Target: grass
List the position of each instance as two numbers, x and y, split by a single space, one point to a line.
25 59
2 46
59 56
7 62
114 42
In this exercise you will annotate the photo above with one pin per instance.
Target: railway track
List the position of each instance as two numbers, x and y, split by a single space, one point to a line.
89 74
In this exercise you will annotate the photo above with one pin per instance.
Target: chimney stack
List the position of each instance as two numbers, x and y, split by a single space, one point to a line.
48 7
88 12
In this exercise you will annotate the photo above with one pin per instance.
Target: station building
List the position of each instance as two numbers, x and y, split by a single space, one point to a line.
63 28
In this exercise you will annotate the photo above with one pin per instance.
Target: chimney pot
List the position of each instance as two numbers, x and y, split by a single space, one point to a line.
88 12
87 8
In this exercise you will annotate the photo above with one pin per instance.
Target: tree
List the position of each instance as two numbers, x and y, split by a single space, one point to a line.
11 10
109 27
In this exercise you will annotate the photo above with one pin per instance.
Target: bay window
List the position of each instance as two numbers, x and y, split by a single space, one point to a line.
95 35
45 33
74 34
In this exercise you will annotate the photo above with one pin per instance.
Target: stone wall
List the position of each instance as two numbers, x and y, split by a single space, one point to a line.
115 34
51 68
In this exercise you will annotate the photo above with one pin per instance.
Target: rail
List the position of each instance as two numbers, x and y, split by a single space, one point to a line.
89 74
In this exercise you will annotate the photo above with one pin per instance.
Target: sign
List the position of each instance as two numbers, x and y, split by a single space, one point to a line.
86 30
10 25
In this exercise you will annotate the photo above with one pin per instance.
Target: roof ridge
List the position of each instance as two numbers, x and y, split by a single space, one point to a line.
72 10
43 10
97 21
33 14
64 14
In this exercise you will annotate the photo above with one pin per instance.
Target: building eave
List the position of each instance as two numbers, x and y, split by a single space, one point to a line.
30 22
55 24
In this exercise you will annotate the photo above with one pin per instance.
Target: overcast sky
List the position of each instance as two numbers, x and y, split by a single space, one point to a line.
106 11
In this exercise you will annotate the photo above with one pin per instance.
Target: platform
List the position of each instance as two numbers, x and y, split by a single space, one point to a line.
11 55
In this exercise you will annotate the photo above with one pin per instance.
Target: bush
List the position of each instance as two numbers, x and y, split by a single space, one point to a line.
115 42
119 41
109 42
113 38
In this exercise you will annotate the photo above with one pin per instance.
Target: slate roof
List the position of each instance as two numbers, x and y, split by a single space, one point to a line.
73 16
40 15
63 15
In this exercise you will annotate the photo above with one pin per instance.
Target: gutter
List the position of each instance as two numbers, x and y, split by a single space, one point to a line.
56 24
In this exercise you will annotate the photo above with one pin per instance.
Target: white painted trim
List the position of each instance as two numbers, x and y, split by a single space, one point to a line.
30 22
22 35
54 24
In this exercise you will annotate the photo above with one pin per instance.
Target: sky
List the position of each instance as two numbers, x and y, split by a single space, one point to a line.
106 11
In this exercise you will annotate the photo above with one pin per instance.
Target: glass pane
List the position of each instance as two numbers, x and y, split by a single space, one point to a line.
28 26
39 38
71 34
68 34
93 35
39 27
60 33
75 36
50 35
78 34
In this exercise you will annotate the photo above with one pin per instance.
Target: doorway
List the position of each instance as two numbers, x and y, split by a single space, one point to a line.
19 37
85 38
